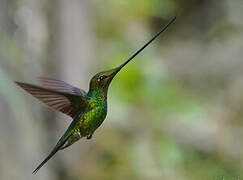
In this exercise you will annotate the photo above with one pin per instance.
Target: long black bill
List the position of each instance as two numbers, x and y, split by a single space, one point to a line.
142 48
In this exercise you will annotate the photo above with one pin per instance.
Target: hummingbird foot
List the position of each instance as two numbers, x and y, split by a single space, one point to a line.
89 135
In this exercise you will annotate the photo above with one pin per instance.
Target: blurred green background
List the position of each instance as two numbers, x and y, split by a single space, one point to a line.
175 112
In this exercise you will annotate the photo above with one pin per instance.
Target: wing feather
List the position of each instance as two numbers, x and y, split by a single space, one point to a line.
60 86
57 99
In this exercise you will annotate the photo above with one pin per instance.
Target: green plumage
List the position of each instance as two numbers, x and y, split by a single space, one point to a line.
88 110
87 122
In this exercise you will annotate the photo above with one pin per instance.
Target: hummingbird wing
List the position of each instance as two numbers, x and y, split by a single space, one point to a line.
64 99
60 86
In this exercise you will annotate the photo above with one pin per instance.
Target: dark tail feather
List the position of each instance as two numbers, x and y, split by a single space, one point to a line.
53 152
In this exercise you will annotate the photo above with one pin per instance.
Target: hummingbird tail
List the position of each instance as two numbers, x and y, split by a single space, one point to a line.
53 152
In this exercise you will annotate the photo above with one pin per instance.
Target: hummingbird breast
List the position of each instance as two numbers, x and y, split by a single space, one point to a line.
86 124
93 117
92 120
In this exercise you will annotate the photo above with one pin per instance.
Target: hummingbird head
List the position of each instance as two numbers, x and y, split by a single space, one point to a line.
101 81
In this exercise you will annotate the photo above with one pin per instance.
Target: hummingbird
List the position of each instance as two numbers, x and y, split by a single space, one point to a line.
87 109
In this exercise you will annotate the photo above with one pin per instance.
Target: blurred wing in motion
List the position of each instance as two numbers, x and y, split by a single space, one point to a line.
60 86
58 95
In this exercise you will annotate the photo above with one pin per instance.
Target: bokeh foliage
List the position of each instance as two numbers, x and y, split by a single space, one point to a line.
175 112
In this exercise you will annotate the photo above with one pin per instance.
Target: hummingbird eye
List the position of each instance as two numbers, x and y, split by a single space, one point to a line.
101 78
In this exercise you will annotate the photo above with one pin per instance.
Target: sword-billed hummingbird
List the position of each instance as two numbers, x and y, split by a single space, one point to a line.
88 110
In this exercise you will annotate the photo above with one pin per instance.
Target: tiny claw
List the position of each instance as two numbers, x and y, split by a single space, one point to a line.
89 136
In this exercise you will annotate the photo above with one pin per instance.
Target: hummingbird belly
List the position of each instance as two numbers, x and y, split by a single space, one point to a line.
86 124
92 120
